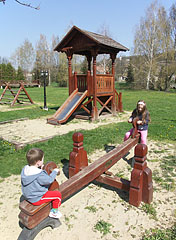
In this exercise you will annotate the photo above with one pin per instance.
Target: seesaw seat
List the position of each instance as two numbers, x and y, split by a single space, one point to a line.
30 215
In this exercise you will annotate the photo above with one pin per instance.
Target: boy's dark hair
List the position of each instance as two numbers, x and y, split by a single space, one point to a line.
34 155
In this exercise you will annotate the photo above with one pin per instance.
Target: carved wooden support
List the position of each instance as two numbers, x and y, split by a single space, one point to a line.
141 187
95 109
120 106
113 58
68 52
89 59
114 181
94 170
78 157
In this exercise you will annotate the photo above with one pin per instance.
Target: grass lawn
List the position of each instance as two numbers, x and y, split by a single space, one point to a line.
55 98
162 128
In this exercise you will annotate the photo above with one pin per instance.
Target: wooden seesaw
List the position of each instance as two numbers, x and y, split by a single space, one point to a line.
140 186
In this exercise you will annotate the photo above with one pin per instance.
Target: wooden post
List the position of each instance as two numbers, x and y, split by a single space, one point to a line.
69 57
89 59
141 187
94 110
75 81
120 106
78 157
88 82
7 86
113 57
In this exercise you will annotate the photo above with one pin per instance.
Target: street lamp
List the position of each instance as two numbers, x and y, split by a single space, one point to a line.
44 74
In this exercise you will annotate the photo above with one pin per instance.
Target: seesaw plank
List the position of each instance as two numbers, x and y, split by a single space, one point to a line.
95 169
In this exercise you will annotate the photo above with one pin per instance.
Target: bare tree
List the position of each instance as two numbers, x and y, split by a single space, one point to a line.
24 56
173 25
103 59
42 55
146 41
23 3
166 47
54 60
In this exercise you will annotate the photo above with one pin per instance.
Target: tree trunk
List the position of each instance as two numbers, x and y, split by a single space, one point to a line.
49 77
148 78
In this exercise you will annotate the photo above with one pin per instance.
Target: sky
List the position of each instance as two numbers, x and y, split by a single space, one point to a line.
121 17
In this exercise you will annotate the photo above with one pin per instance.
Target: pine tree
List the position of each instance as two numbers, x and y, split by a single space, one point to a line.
130 74
20 75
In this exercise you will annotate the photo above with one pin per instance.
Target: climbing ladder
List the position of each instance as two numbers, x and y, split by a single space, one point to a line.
11 96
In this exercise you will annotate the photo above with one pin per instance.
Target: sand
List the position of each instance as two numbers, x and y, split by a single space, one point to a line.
94 203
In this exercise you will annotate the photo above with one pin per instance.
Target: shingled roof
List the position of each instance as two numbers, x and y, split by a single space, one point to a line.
82 41
105 40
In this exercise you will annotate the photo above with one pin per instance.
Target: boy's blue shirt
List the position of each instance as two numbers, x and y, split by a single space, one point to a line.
36 185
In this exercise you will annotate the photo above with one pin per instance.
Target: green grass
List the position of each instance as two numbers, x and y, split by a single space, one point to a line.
57 149
162 128
55 98
161 234
103 227
91 209
150 210
160 104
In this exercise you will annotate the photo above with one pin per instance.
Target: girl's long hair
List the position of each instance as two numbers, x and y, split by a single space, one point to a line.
144 111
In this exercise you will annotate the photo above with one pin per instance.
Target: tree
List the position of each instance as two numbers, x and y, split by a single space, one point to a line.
84 66
103 59
130 74
166 46
42 61
173 26
24 56
20 75
120 67
146 42
23 3
7 72
54 60
2 71
62 77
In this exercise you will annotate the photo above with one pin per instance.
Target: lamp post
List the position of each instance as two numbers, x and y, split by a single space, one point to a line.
44 74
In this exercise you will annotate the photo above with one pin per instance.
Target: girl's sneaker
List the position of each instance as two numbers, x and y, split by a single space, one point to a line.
55 213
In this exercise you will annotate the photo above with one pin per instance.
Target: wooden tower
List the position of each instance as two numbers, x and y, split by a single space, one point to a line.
100 87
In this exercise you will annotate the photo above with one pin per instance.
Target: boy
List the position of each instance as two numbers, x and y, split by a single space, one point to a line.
35 182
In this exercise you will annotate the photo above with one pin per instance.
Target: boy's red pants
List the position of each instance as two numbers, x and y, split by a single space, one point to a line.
50 196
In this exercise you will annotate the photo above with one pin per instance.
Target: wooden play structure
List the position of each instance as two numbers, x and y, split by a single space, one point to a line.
140 186
87 91
15 95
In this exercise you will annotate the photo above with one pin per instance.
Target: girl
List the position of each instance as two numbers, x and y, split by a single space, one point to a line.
143 116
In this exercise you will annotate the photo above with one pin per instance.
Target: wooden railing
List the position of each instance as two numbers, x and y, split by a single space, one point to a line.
82 82
85 82
104 83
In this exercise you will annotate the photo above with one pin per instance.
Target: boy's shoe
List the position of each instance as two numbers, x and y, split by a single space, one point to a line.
55 214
